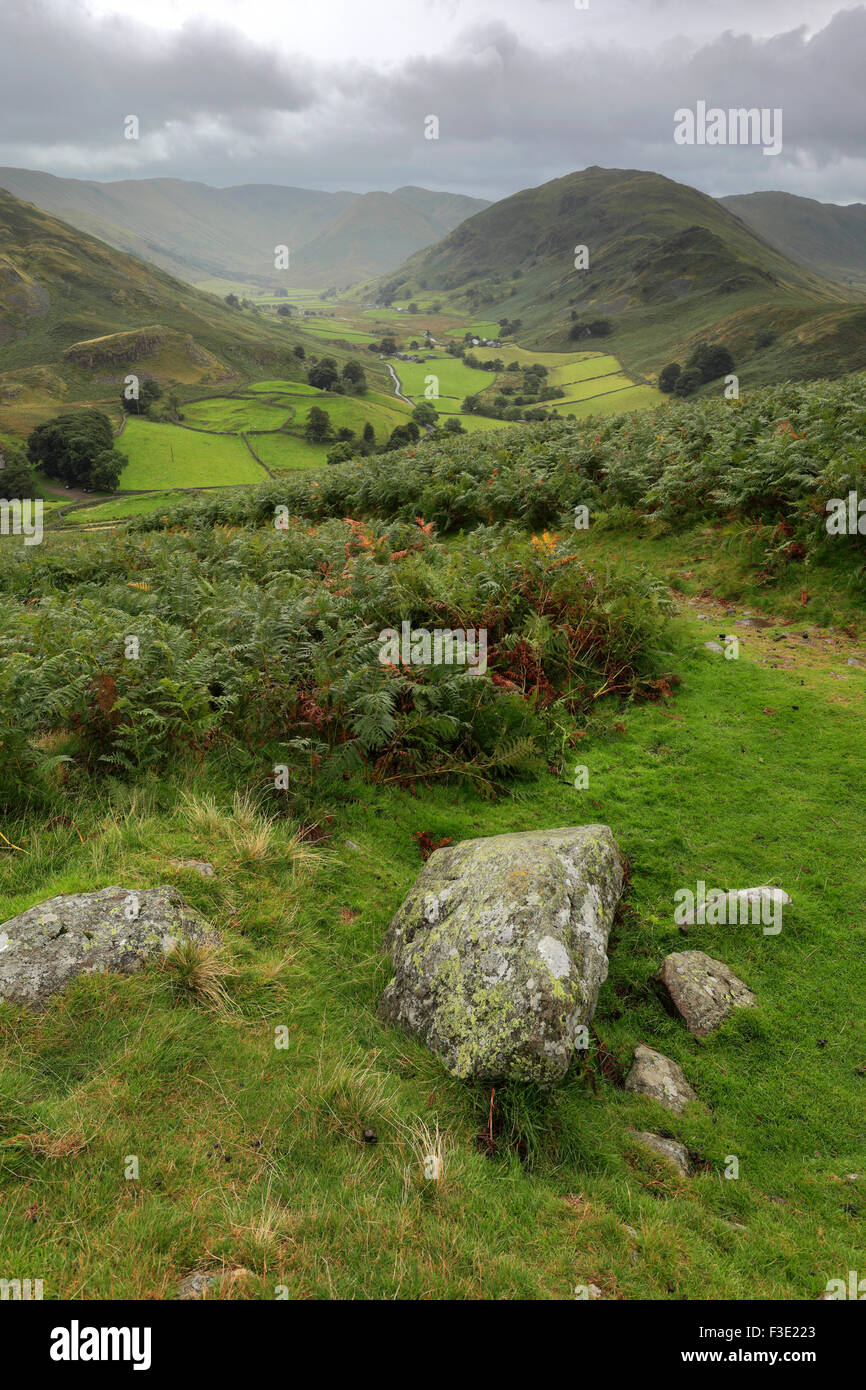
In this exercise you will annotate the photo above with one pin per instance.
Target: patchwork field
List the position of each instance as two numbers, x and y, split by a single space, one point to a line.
284 452
165 456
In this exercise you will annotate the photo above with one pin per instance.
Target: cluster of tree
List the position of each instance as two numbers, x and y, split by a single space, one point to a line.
708 362
492 364
78 449
325 375
500 408
150 402
387 347
596 328
17 479
235 303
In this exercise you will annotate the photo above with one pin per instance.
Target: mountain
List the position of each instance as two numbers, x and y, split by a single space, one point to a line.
826 236
200 233
75 315
668 266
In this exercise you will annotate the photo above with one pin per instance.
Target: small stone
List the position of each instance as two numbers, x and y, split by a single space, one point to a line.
714 647
350 844
653 1074
703 991
201 1282
852 661
200 866
675 1153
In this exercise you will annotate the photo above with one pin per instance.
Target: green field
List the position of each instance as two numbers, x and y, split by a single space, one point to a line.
455 379
163 456
228 415
611 402
282 452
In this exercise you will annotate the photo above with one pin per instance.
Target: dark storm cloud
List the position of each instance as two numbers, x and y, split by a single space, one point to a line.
217 106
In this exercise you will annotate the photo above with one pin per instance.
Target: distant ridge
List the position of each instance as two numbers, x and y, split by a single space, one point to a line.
199 233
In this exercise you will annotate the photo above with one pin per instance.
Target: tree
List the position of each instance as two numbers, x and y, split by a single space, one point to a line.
318 426
340 452
323 376
413 308
149 391
17 479
67 446
284 311
687 382
424 414
453 425
353 376
299 351
388 346
233 301
369 434
710 360
106 470
668 376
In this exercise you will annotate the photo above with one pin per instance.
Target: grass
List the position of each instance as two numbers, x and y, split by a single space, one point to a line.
285 452
243 1082
165 456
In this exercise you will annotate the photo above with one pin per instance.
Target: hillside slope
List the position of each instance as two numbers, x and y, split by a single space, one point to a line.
826 236
668 265
75 313
197 232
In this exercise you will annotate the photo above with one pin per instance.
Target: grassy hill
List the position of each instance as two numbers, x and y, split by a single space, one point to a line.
668 266
258 648
199 233
77 315
824 236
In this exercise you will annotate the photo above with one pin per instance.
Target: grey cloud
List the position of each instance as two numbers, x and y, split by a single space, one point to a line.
511 114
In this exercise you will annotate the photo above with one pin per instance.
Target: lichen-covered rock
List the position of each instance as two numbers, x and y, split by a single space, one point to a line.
500 950
674 1152
701 990
653 1074
116 929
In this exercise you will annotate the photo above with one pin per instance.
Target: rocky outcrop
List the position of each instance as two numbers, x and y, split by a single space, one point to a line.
500 950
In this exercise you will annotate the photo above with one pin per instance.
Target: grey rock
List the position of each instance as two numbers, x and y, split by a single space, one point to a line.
852 661
200 1283
500 950
116 929
703 991
653 1074
714 647
675 1153
201 866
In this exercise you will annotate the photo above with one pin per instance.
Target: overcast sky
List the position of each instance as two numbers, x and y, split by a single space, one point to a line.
334 93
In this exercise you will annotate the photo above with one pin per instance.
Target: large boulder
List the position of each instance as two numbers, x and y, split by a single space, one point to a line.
500 950
703 991
117 929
